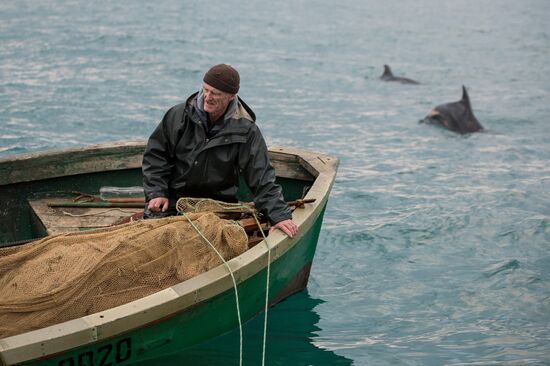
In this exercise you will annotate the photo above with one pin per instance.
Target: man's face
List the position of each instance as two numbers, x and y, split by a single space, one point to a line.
215 100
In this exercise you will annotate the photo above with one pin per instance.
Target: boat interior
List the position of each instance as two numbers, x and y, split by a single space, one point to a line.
49 210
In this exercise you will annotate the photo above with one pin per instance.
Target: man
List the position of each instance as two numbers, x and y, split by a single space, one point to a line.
202 146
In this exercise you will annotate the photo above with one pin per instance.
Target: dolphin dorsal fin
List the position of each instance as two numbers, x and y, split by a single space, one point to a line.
466 98
387 71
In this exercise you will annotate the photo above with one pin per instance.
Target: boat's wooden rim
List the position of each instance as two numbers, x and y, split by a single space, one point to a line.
106 157
100 326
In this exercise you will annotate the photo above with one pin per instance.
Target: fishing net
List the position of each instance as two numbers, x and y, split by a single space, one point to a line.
188 204
67 276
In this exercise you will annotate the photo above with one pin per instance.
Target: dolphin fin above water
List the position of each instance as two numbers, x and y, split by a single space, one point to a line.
456 116
389 76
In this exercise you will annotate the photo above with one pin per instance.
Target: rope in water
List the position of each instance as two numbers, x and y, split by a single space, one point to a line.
235 283
266 287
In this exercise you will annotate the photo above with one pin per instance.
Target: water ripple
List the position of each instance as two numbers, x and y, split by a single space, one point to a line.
434 247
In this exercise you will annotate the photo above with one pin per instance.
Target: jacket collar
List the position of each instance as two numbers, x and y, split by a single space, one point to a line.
238 109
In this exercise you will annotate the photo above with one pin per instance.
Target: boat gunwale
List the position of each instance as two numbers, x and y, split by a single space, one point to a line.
49 341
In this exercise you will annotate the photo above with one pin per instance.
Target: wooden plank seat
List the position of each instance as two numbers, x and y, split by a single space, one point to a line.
58 215
57 220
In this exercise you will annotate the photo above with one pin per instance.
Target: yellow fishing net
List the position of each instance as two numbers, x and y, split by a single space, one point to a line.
67 276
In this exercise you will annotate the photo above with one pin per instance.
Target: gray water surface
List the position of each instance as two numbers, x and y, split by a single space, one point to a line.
435 246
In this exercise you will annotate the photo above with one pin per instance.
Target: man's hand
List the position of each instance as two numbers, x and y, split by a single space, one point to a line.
288 226
158 204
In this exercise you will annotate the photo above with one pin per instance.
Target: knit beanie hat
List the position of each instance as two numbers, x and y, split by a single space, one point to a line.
223 77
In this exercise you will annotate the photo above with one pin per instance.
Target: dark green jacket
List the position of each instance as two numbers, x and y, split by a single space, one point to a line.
181 161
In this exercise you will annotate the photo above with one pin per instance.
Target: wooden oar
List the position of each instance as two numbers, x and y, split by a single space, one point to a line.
86 197
139 202
101 204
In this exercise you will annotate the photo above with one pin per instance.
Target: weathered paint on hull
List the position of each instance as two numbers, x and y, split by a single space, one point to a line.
175 318
289 274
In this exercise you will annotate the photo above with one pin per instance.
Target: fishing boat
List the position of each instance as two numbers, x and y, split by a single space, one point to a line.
174 318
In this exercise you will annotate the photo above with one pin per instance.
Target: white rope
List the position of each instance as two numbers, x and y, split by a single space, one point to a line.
248 208
98 213
234 286
266 288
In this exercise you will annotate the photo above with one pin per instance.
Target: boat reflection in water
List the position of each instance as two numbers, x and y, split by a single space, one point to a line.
292 326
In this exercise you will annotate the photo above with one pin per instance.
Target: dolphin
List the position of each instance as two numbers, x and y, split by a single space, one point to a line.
388 76
456 116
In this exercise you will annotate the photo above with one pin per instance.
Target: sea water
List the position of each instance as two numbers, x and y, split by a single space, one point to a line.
435 246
